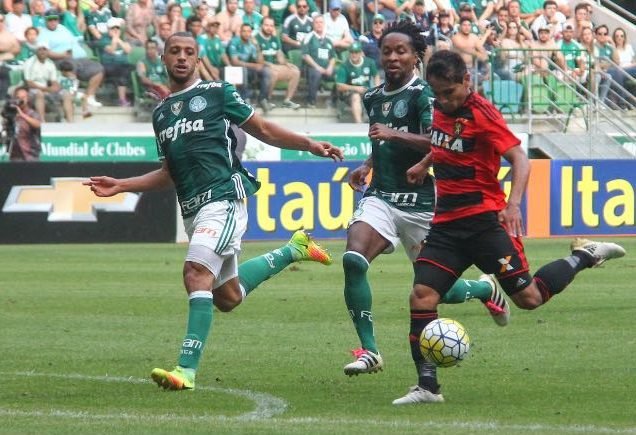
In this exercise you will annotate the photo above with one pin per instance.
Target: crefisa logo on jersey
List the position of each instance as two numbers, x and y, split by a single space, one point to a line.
182 126
197 104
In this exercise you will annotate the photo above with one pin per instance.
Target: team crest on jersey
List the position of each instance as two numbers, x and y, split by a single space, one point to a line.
400 109
197 104
459 126
386 107
176 107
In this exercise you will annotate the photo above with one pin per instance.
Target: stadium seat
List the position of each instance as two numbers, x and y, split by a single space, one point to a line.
541 93
135 55
567 100
505 94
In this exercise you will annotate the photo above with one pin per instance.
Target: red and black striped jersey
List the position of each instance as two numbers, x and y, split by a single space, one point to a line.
467 147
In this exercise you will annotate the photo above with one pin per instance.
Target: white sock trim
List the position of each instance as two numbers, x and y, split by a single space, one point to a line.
358 254
203 294
243 292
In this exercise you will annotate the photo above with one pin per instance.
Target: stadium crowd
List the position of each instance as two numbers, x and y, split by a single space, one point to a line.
65 52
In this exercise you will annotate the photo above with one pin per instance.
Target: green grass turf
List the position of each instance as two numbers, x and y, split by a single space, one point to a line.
82 326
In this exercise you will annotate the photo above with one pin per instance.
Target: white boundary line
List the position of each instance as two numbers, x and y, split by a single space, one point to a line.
268 406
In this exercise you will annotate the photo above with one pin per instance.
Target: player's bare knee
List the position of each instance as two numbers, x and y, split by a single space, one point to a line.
527 299
424 297
197 276
227 303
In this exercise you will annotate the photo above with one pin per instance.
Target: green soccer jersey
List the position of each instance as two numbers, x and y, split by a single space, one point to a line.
296 28
319 49
155 70
571 52
269 47
357 75
277 10
406 109
212 48
244 51
192 129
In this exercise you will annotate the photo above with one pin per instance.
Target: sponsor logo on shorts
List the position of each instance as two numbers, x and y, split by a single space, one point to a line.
505 264
203 230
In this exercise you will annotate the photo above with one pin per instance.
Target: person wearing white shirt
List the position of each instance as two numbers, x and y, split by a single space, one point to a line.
17 21
550 18
337 26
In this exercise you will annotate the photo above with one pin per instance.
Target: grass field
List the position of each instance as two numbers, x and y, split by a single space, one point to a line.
82 326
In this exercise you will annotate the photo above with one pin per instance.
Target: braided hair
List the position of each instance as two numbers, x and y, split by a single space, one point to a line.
406 27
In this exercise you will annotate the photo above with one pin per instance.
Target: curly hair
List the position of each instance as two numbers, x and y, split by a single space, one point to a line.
406 27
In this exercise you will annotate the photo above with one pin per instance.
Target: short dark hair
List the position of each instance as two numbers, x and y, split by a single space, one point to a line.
461 20
548 3
66 65
601 26
180 35
580 6
406 27
448 65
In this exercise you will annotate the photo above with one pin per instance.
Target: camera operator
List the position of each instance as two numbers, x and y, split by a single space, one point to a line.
22 125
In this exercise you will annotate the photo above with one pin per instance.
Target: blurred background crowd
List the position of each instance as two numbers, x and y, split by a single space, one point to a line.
73 57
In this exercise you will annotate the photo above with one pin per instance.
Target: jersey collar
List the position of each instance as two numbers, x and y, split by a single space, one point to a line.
397 91
174 94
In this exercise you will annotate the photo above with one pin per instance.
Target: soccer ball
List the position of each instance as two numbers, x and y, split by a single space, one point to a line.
444 342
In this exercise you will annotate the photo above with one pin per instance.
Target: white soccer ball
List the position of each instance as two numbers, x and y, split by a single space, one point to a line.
444 342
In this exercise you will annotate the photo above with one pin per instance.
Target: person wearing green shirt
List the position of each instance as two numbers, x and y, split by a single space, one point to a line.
213 55
354 77
152 72
319 57
196 147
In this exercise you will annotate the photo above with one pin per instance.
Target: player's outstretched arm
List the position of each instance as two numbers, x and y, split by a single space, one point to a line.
511 215
280 137
109 186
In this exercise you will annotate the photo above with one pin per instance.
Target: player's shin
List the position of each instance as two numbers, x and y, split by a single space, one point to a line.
426 372
199 321
259 269
554 277
357 293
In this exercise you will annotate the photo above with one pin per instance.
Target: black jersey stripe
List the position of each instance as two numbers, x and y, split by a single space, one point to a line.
447 203
454 172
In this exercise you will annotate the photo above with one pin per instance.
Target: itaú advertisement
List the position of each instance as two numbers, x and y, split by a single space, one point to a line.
592 197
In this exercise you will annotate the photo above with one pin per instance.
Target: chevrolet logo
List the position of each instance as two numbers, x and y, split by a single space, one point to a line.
66 200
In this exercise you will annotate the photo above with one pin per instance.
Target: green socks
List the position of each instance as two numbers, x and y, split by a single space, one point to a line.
357 293
199 322
466 289
258 269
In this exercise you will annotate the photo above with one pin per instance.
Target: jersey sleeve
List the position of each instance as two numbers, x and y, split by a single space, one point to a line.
232 49
235 109
154 128
425 108
496 131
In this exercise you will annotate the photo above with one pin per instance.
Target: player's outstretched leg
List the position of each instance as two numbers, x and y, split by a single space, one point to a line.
600 251
301 247
486 290
497 305
177 379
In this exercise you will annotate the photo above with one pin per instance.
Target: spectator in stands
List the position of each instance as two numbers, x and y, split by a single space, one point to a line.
114 56
203 11
37 8
386 8
575 61
551 19
297 26
41 78
512 54
9 44
481 10
469 45
354 77
319 56
440 34
152 72
336 26
165 30
96 21
420 17
174 16
18 21
580 20
514 15
598 80
370 41
626 57
500 21
281 69
230 21
194 25
73 19
244 52
27 141
548 51
466 10
140 16
251 16
71 90
29 46
63 45
213 54
277 9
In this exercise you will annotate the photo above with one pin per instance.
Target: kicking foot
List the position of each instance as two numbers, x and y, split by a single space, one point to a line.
366 362
309 250
177 379
599 251
418 394
497 305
